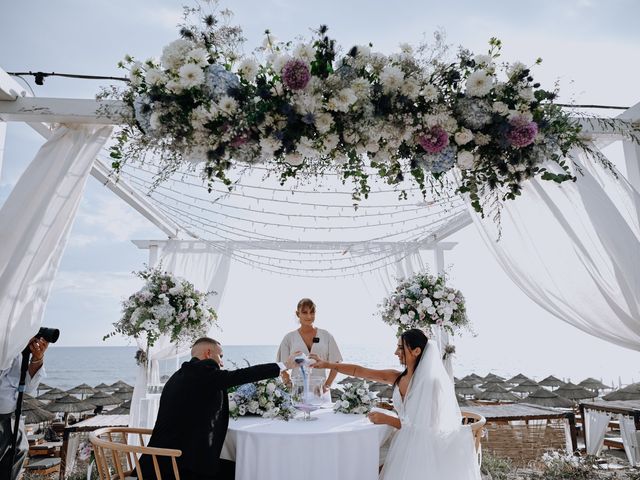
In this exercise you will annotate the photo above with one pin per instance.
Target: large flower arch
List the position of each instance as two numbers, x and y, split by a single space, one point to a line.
302 110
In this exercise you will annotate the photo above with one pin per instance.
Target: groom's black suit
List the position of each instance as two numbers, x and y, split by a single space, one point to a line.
194 416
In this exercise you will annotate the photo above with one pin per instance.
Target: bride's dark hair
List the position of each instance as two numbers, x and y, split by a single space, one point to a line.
412 338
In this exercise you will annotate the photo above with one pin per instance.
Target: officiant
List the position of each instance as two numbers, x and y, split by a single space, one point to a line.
310 339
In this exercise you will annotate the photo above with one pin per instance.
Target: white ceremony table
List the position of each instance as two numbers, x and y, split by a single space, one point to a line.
336 446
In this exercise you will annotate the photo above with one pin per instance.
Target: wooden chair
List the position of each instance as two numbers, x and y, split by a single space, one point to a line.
116 459
476 422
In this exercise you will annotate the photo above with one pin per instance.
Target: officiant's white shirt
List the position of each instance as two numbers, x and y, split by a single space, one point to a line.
327 349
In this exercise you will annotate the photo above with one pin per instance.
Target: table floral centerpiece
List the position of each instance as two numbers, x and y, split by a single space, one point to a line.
355 398
266 398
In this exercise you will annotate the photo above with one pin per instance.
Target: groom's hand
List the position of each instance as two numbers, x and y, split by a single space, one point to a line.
291 363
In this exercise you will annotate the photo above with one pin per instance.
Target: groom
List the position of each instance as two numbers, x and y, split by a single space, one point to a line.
194 413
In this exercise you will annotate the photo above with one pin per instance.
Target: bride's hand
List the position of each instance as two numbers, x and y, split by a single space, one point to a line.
378 418
318 362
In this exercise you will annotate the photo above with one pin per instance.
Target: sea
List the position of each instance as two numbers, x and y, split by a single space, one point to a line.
67 367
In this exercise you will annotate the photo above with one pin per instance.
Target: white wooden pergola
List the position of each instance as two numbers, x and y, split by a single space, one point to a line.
17 105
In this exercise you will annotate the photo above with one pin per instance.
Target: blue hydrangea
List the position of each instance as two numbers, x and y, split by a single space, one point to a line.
142 111
475 113
248 390
439 162
221 81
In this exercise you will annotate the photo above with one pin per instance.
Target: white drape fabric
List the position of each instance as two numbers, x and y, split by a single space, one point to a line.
208 270
574 249
35 222
630 439
432 442
595 427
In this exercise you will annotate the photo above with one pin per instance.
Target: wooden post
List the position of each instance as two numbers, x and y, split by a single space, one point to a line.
571 417
584 425
63 452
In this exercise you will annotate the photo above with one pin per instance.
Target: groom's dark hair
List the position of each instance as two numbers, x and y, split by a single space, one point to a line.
205 340
412 338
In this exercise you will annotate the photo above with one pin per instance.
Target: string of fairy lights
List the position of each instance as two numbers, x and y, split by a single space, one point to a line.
360 237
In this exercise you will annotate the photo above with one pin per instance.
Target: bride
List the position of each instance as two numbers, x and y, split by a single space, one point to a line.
431 442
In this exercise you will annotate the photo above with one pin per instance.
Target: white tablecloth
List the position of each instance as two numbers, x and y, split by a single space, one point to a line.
335 447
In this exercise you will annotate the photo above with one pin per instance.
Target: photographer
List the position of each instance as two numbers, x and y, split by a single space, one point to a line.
9 382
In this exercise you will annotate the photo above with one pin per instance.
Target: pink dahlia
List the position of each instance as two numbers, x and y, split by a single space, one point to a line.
435 140
296 74
522 134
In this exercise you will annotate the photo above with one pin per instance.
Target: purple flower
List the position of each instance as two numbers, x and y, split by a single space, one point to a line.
295 74
522 132
434 140
239 141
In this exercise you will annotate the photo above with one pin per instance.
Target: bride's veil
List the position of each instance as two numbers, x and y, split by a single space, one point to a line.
432 442
431 401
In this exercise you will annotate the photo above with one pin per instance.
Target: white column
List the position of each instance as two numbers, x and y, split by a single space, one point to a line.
438 258
632 161
153 254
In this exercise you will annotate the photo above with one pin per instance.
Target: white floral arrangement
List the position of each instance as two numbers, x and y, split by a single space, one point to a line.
564 464
266 398
355 398
424 301
166 305
301 110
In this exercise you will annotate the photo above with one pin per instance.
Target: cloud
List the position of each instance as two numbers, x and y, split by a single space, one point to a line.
109 215
105 285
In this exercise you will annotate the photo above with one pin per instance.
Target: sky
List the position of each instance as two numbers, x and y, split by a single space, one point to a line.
590 47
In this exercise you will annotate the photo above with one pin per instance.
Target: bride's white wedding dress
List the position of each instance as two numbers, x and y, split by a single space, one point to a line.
432 443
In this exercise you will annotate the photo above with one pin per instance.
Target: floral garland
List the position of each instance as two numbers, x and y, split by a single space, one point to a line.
266 398
355 398
302 111
424 301
166 305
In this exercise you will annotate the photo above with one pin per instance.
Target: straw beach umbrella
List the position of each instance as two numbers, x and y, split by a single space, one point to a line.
545 398
630 392
466 389
527 386
103 387
551 382
120 384
518 379
82 390
69 404
102 399
492 377
593 384
492 382
497 393
473 378
53 394
574 392
34 413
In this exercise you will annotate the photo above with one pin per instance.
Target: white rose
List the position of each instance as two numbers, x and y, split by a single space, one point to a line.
463 137
344 404
501 108
465 160
294 159
248 69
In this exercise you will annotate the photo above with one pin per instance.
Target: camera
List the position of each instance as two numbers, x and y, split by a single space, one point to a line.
51 335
